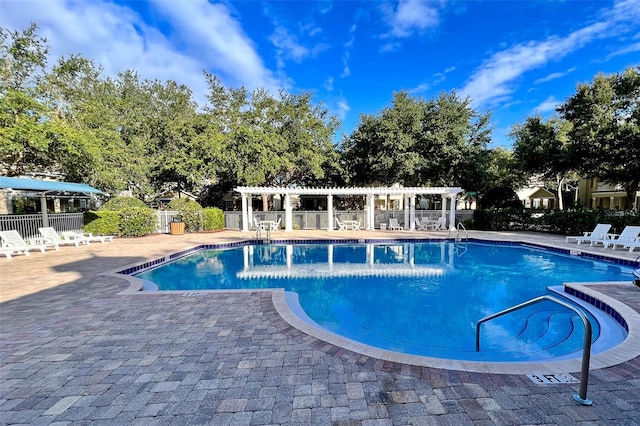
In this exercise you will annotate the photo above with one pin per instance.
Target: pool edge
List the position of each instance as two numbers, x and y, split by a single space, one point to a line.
611 357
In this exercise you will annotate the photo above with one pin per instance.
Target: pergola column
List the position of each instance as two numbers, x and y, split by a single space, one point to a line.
245 216
443 210
412 214
329 213
452 213
370 212
407 201
288 214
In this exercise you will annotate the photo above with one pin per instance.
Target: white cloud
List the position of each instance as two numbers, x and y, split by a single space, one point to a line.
548 105
497 78
438 78
626 50
328 84
352 31
341 109
202 36
287 45
553 76
410 16
215 37
346 72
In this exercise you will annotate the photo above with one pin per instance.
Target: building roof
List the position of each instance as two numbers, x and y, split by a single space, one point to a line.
348 190
46 185
535 192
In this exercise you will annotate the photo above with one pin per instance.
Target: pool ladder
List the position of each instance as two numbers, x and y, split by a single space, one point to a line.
581 397
460 249
459 228
267 231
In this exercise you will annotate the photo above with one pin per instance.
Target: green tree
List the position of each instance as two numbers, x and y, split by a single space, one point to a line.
605 132
542 149
383 149
24 120
23 57
268 141
416 142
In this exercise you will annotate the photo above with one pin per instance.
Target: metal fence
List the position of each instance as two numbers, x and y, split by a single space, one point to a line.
318 219
164 218
27 224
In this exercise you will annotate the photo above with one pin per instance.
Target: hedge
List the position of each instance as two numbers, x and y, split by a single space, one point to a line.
565 222
128 222
212 218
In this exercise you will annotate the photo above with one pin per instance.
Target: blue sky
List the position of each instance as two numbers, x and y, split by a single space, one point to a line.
513 58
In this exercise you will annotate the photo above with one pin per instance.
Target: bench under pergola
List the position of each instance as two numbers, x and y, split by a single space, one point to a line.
409 194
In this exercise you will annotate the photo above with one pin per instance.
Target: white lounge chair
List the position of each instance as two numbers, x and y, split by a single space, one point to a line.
86 236
13 243
341 226
632 245
628 235
599 234
394 225
51 236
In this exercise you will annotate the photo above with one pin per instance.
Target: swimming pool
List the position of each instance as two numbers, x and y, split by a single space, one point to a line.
414 298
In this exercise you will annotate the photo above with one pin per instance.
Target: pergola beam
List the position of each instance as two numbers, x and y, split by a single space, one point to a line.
368 192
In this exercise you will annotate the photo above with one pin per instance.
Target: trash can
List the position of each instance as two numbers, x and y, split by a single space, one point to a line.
176 227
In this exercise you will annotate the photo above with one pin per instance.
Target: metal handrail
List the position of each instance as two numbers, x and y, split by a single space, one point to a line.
458 227
581 398
259 230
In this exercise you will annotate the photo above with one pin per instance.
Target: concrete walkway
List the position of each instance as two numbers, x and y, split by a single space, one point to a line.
75 351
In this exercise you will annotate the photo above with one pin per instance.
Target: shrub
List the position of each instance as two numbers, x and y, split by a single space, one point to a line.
565 222
189 211
137 221
102 222
119 203
212 218
128 222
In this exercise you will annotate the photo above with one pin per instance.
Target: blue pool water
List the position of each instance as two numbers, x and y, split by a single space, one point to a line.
416 298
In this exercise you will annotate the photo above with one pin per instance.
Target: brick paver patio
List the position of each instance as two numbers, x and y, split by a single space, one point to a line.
75 351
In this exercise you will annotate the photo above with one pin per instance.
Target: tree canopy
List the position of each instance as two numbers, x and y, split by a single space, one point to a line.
595 134
605 129
124 132
418 142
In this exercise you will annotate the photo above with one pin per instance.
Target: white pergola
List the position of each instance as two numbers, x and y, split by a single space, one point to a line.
370 193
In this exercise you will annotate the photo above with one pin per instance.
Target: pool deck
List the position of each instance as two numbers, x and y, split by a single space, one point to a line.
75 350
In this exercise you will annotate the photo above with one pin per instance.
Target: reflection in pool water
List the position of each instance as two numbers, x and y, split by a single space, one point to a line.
416 298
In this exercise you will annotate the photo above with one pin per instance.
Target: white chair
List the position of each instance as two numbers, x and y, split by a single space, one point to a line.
628 235
86 236
341 226
632 245
275 225
355 225
13 243
421 225
599 234
440 224
394 225
50 236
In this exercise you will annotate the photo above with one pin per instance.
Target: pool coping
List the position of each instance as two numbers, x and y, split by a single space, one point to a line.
623 352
